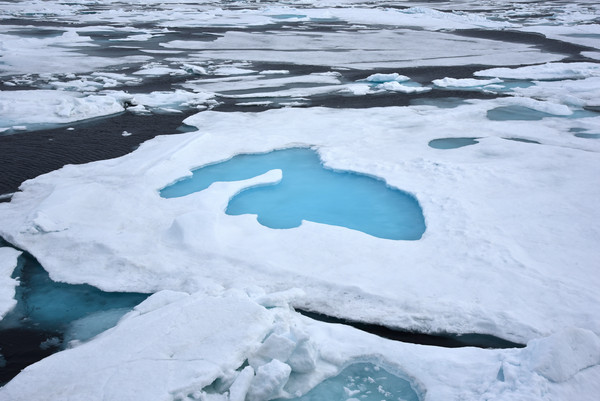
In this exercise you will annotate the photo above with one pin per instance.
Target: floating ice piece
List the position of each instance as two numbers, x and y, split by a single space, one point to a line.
229 70
274 72
379 78
394 86
356 89
158 70
194 69
464 82
8 263
504 273
43 107
163 99
548 71
562 355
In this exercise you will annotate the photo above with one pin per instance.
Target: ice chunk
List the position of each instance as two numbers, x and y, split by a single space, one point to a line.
52 107
269 381
239 388
394 86
276 346
562 355
303 359
378 78
464 83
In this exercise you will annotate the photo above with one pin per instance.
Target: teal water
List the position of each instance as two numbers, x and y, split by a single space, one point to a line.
49 305
309 191
362 382
452 143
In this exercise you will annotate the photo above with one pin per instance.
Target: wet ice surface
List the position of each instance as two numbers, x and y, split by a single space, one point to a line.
466 105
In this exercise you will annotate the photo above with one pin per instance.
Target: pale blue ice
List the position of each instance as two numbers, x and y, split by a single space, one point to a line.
309 191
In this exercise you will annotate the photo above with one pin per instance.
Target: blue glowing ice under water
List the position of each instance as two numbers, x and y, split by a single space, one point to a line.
310 191
362 382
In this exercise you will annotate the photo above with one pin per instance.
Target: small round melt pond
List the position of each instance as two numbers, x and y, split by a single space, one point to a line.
310 191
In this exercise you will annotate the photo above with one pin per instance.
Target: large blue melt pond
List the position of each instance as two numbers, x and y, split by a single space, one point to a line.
310 191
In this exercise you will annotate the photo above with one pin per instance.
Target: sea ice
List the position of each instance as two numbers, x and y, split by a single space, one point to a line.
496 276
185 347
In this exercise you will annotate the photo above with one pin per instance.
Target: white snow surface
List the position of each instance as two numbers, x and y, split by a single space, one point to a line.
481 265
547 71
43 107
8 262
176 346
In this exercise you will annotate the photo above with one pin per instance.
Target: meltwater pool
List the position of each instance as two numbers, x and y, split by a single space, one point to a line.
310 191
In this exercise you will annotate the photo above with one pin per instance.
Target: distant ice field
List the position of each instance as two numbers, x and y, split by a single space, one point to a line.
484 116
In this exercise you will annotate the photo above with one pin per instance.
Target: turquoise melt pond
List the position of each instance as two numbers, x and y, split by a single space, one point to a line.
362 382
310 191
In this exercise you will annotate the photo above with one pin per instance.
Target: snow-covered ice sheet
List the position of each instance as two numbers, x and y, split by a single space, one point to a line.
479 256
229 347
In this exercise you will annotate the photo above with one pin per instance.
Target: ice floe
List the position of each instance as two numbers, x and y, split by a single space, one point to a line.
45 107
88 208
